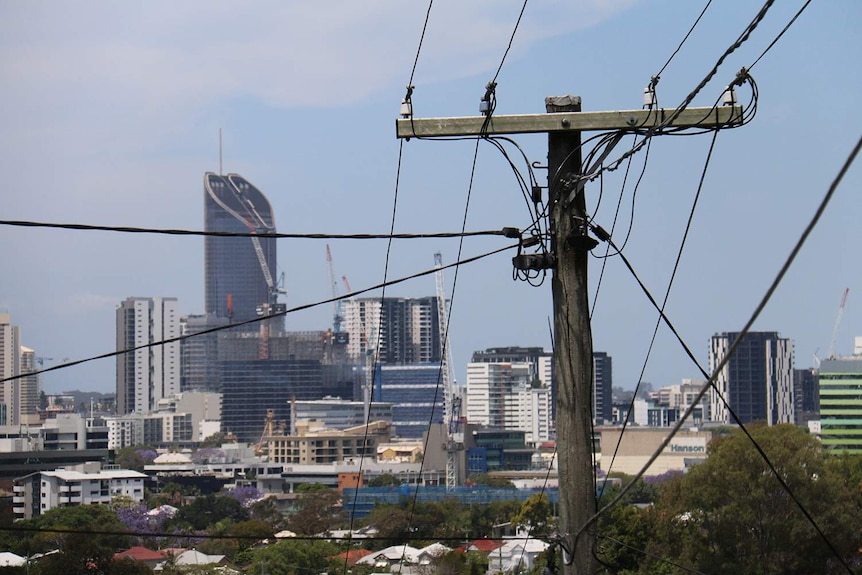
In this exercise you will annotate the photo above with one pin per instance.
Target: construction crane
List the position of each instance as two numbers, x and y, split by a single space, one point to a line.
451 399
837 323
256 223
271 427
337 317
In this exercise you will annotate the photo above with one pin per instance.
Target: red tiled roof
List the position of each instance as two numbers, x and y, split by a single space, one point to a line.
352 556
140 554
485 545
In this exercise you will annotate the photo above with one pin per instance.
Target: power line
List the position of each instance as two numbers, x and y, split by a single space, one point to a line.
667 294
669 119
511 39
658 74
419 48
318 236
651 555
710 382
780 34
70 530
257 319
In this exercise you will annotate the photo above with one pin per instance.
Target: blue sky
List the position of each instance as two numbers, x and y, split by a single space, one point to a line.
111 113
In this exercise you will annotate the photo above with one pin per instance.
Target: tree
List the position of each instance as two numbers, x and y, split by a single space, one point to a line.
267 510
86 536
385 480
290 557
535 513
450 563
135 457
490 481
217 440
318 509
209 510
730 514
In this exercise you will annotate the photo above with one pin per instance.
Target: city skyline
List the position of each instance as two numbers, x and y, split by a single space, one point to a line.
107 122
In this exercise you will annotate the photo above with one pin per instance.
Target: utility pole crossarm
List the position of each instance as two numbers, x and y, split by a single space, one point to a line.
567 122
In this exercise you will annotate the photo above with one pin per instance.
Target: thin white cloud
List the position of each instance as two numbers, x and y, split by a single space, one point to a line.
162 55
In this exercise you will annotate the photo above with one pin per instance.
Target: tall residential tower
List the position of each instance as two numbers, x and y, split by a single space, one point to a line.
757 381
148 374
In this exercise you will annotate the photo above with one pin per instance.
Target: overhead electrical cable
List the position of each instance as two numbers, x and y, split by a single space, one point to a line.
678 48
780 34
258 319
711 378
511 39
369 383
408 103
317 236
669 118
652 556
445 340
419 46
666 296
66 530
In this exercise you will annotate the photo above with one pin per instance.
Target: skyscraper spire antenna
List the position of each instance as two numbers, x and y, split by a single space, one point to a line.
220 171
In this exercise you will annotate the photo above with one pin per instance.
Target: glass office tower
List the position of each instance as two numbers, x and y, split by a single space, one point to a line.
235 269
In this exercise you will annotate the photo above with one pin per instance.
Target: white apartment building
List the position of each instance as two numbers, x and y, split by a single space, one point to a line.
501 395
19 398
152 372
181 418
84 484
125 430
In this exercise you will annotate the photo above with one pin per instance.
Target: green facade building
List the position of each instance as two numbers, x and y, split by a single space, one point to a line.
841 404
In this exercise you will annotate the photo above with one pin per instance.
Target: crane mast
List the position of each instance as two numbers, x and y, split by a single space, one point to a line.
837 323
337 317
451 400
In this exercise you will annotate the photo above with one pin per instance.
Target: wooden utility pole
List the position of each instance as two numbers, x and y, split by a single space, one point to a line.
573 342
570 245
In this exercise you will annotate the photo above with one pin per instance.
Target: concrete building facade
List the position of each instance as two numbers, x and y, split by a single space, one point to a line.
85 484
401 331
638 444
757 381
316 445
19 398
148 374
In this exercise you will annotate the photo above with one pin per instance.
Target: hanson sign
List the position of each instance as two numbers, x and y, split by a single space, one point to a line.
687 446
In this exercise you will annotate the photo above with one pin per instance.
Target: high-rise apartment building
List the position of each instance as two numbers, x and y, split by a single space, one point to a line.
509 396
840 403
757 381
806 393
603 383
240 272
19 398
29 387
540 366
404 330
10 365
148 374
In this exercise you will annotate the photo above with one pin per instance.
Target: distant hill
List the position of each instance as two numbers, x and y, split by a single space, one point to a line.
102 401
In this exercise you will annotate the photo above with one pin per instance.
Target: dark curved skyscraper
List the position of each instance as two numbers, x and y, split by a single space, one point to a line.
236 283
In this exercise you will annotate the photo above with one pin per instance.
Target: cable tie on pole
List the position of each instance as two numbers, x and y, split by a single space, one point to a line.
485 107
407 103
600 232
